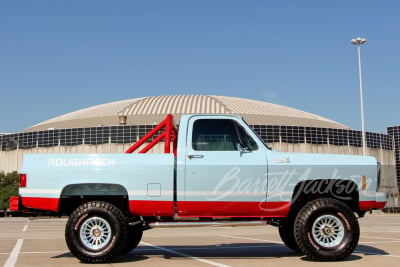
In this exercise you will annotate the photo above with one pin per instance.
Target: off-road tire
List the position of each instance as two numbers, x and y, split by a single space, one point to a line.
326 230
96 232
286 232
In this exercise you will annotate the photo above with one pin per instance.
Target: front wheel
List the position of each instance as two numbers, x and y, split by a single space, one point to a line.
96 232
326 230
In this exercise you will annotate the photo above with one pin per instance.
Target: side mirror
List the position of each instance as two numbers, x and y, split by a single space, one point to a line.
243 149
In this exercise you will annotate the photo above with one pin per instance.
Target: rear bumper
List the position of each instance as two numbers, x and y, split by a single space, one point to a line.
381 200
14 204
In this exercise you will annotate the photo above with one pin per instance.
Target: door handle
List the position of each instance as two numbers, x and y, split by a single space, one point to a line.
195 156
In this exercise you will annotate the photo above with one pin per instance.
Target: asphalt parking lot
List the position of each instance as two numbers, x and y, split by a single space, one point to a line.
40 241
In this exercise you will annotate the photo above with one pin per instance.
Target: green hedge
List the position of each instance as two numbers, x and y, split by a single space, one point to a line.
8 188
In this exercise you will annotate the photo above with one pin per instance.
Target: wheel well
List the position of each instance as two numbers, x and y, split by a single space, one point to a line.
72 196
342 190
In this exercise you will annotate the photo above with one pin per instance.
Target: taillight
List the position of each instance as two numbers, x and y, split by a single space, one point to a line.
22 180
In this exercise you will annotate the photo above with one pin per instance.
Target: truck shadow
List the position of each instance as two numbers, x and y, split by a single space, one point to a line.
121 259
363 250
226 251
232 251
220 251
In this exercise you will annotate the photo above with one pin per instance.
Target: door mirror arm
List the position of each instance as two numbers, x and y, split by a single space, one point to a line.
242 149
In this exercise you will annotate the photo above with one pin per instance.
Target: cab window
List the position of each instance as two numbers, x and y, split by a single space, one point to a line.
220 135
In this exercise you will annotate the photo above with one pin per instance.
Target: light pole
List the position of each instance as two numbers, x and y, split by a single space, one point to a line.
358 42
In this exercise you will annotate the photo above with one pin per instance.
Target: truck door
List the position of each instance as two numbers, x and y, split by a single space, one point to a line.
225 170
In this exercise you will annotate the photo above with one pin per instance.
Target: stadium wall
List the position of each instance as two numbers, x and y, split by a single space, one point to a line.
11 154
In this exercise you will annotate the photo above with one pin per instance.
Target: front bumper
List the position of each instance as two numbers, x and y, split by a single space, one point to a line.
379 203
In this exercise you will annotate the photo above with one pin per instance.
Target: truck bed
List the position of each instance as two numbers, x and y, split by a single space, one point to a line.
144 178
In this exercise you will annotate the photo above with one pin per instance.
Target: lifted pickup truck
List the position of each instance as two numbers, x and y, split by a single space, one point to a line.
219 172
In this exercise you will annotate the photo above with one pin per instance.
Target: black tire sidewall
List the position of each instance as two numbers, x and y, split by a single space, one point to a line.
134 235
286 232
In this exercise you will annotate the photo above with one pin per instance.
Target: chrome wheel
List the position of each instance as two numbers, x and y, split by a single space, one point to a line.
328 231
95 233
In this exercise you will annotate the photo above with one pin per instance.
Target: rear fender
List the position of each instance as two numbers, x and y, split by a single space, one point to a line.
74 195
94 189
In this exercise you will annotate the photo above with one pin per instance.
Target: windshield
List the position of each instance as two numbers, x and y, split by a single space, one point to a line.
259 138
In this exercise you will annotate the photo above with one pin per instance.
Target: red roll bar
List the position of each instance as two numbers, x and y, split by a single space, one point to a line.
168 133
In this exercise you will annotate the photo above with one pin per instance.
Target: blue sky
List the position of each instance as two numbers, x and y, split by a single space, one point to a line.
60 56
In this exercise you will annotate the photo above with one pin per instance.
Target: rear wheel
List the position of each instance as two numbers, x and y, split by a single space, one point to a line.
96 232
326 230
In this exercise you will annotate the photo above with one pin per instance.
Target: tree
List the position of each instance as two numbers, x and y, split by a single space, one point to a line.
8 187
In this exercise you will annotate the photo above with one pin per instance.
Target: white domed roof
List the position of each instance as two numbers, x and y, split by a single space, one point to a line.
151 110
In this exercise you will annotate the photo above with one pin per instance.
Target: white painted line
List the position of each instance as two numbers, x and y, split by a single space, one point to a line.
213 263
12 259
253 239
25 228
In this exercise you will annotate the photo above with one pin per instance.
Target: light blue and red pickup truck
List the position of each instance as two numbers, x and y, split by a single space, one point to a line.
215 171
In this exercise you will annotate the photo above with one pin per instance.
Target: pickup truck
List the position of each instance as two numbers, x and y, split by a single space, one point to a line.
219 173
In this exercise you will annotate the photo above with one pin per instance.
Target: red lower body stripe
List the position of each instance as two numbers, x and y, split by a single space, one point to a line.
40 203
151 208
370 205
233 209
195 208
210 209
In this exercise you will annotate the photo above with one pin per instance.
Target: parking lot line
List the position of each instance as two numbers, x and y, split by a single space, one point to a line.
213 263
12 259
